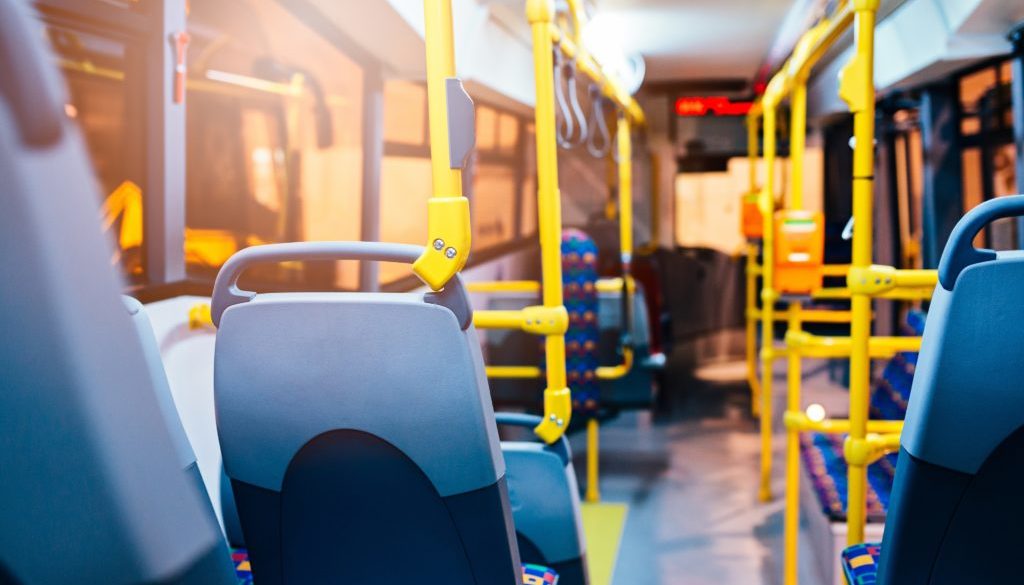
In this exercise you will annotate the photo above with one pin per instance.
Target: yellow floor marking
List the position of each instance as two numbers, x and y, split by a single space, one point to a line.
602 527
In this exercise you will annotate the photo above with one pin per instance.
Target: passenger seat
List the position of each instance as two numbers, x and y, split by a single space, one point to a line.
357 430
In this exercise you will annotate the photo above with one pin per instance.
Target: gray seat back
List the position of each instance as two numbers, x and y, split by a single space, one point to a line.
955 512
610 319
545 502
91 490
364 410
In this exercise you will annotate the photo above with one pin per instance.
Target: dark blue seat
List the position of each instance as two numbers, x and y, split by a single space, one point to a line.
956 510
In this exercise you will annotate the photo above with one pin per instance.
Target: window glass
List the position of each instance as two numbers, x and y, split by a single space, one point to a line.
404 190
508 134
528 199
405 112
274 142
973 190
1006 79
494 205
486 128
1003 232
109 113
974 89
492 181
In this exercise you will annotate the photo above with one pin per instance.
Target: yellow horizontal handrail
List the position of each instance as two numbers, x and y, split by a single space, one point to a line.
808 316
799 421
604 285
514 372
899 294
528 372
871 448
514 286
619 371
876 280
538 320
835 269
808 345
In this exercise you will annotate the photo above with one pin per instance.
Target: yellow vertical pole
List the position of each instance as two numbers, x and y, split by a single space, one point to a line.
791 521
625 194
751 273
752 150
797 142
751 303
576 15
857 89
449 230
557 402
440 66
593 494
766 203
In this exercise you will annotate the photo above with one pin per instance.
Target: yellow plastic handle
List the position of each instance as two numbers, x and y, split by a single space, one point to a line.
557 414
450 237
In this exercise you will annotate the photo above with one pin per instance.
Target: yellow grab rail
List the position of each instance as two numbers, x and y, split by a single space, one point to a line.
874 446
557 399
766 203
811 316
512 286
752 314
448 225
586 65
807 345
857 89
799 421
898 294
605 285
514 372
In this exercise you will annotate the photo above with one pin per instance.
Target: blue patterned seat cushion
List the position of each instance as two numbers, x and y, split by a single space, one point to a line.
822 456
579 287
860 563
532 574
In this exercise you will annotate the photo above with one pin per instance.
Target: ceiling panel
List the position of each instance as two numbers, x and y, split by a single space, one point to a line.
693 39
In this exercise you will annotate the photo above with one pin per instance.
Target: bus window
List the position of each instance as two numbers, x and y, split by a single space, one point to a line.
495 180
989 155
405 186
493 205
405 121
528 191
274 143
110 116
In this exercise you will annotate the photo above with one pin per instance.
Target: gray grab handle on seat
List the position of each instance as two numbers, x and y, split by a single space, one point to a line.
530 421
960 251
226 292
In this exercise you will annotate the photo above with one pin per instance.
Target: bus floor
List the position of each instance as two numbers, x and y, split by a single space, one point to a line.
689 475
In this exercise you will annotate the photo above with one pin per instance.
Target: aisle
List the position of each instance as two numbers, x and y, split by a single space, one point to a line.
689 476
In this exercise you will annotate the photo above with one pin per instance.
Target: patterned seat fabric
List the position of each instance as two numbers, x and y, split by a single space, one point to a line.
579 283
823 454
860 563
532 574
823 458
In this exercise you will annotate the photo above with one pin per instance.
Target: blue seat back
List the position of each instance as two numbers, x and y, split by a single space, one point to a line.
956 510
